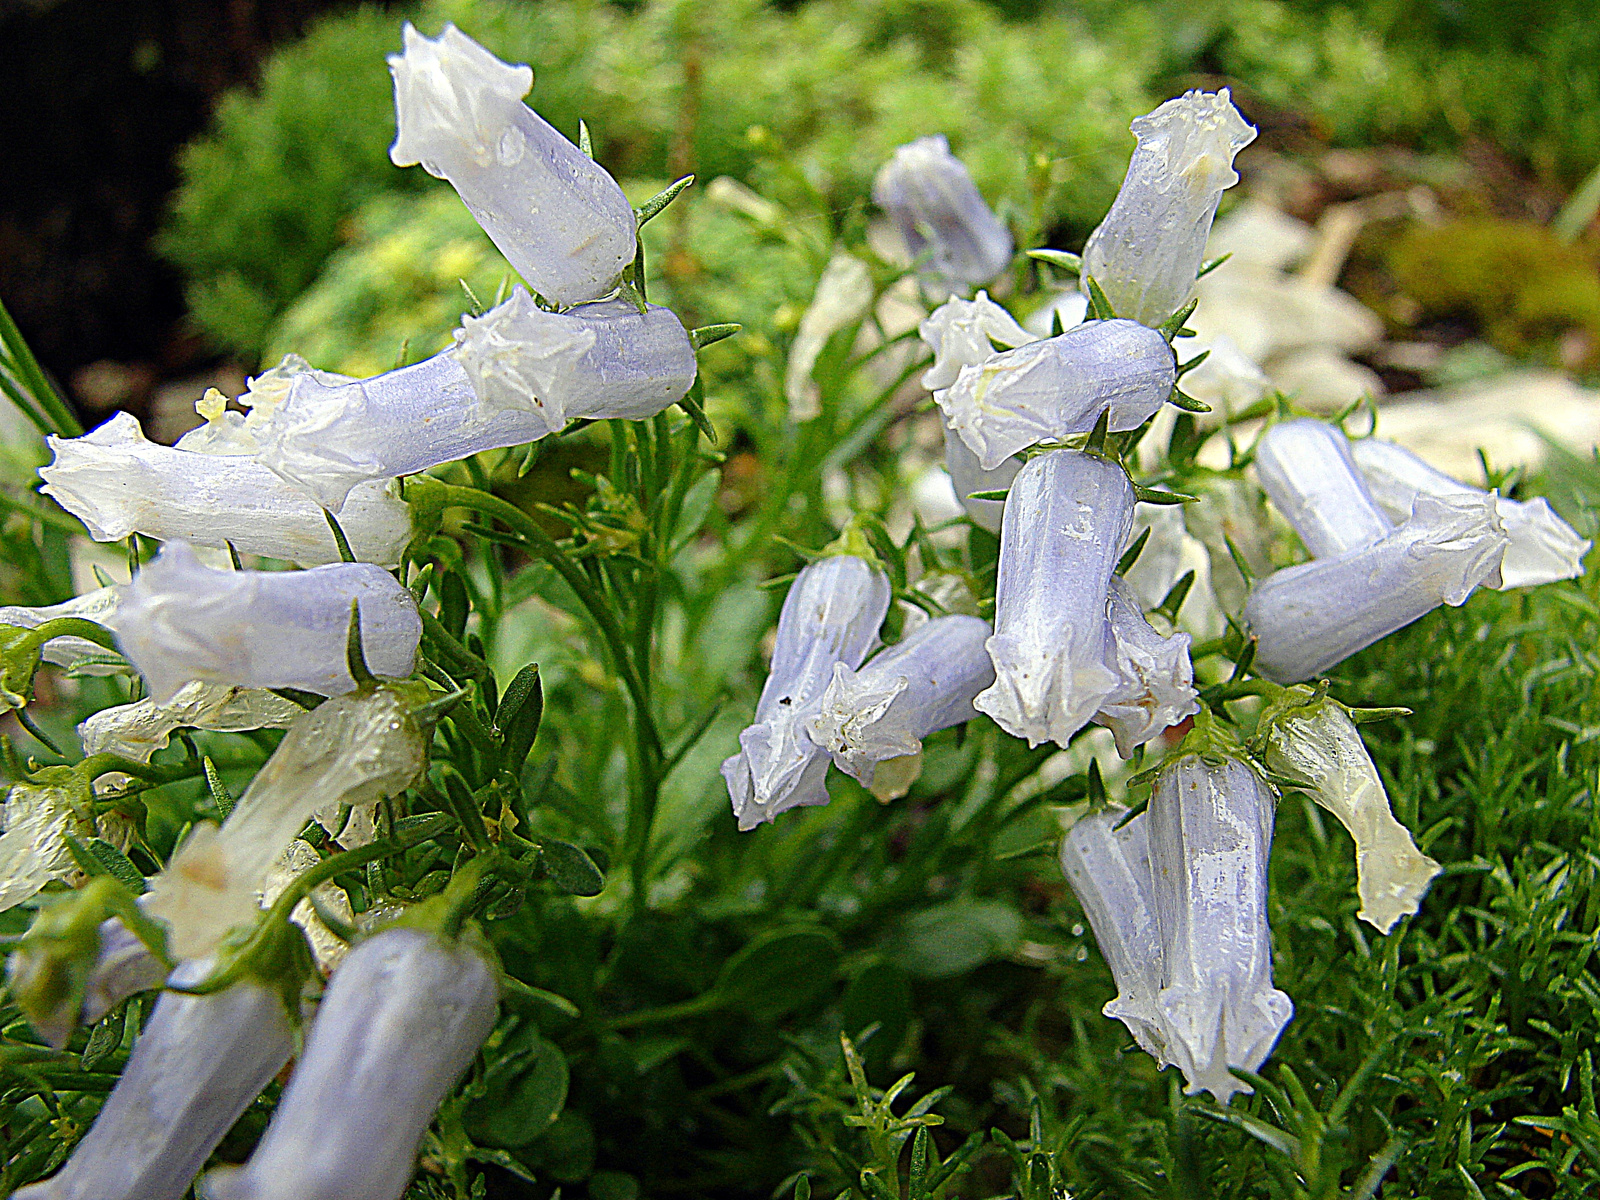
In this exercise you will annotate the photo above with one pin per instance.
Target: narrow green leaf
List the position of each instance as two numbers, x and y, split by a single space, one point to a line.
1188 403
521 711
220 796
570 869
1064 259
661 199
710 335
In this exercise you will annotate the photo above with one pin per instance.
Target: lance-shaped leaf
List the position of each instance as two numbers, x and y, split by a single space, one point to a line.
929 195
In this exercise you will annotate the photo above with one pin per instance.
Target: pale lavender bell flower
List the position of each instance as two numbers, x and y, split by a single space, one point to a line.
1147 253
831 615
555 214
1050 389
1307 470
400 1023
1109 870
516 374
1156 675
918 686
1543 548
1066 522
197 1065
929 195
180 620
1311 616
1210 832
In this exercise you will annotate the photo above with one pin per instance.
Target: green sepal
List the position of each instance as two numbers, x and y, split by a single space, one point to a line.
661 199
1064 259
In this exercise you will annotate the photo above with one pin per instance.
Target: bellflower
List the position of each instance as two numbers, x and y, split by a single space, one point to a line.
515 374
180 621
1156 676
80 654
1066 522
1311 616
33 850
1047 390
1147 253
831 615
197 1065
1318 746
968 478
139 729
400 1023
1109 870
118 482
349 750
1306 469
555 214
884 710
929 195
123 967
1543 547
1210 831
843 295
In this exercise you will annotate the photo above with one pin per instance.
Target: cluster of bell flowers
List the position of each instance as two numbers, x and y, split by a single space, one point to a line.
578 343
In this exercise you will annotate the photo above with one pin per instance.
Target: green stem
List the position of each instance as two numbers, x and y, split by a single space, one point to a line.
706 1002
33 378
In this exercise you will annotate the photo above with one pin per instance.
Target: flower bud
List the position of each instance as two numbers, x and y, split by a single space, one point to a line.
1066 522
831 615
1543 547
180 621
1210 832
198 1063
99 606
1155 689
1311 616
1306 469
929 195
116 482
351 750
884 710
400 1023
555 214
1318 746
1109 870
1047 390
843 295
1147 253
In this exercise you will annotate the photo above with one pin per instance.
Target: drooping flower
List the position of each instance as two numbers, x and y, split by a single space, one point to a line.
831 615
843 295
1311 616
351 750
556 215
1155 673
1210 831
1543 548
198 1063
1050 389
180 621
399 1024
117 482
516 374
1066 523
1109 870
1147 253
1318 745
1306 469
922 684
929 195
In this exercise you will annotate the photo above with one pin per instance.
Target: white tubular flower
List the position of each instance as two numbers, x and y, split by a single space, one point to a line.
349 750
1543 548
180 621
1047 390
929 195
1210 831
555 214
968 477
117 482
33 849
138 730
1306 468
1311 616
99 606
400 1023
197 1065
963 333
884 710
1156 676
843 295
1067 520
1146 254
1109 870
1228 380
1318 746
831 615
1160 562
